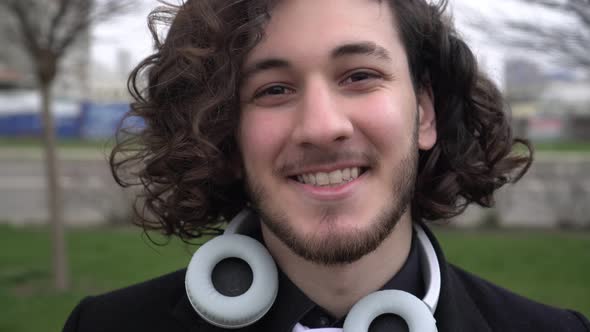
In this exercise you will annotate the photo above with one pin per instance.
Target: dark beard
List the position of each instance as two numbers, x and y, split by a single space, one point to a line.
343 248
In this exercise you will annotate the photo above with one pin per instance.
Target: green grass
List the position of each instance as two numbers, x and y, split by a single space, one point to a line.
580 147
549 267
100 260
31 142
563 146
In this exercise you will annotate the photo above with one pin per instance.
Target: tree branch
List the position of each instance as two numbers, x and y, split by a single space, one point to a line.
63 8
27 28
567 45
87 15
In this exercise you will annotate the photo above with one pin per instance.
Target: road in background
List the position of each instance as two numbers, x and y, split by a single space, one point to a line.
91 195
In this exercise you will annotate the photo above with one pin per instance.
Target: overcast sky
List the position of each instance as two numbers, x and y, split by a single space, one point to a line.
129 33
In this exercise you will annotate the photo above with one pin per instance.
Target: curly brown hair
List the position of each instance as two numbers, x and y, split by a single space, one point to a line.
185 155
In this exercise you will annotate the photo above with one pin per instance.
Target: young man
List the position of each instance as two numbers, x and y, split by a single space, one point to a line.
345 124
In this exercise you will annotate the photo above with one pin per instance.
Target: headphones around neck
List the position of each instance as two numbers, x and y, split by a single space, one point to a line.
233 312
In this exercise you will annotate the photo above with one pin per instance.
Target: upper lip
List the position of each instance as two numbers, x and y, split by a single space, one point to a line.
326 168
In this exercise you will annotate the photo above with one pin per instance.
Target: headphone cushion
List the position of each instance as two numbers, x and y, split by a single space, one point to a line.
414 311
225 311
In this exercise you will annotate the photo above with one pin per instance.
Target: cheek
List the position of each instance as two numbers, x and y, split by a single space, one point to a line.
386 121
260 137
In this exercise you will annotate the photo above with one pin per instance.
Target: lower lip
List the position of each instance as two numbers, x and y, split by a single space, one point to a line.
330 193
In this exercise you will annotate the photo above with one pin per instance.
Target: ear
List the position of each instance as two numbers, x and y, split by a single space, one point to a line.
426 120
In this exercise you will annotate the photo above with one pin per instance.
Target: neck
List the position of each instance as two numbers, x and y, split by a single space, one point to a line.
338 288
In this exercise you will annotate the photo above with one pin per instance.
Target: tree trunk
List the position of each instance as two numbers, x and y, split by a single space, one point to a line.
54 194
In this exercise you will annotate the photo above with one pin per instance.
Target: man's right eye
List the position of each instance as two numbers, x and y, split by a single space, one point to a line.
274 90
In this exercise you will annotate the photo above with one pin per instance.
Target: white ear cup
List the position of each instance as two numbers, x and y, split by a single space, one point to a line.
225 311
413 310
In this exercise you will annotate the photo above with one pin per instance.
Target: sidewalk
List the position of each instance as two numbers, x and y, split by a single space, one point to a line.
68 153
89 153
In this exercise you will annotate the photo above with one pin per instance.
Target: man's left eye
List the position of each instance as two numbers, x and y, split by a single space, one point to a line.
360 76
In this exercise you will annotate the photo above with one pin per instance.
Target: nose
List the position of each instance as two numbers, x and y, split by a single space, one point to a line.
322 120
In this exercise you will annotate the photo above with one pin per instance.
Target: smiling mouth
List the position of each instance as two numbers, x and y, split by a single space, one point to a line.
334 178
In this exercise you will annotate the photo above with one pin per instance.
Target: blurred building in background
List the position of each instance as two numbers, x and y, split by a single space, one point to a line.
568 100
547 105
110 84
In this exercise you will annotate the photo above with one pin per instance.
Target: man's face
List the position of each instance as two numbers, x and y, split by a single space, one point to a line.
330 127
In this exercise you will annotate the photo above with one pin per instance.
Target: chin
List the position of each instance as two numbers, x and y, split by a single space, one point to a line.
332 240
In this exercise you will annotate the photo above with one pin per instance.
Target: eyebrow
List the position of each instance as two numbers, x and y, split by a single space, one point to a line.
349 49
362 48
265 64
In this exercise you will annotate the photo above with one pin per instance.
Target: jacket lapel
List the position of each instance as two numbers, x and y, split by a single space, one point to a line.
456 311
184 312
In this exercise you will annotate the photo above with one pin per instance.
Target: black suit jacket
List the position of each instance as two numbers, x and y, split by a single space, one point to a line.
467 304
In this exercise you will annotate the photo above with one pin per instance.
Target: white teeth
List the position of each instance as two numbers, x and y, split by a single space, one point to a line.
346 173
312 179
322 179
333 178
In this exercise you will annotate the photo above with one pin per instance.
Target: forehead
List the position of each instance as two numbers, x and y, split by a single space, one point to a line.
310 28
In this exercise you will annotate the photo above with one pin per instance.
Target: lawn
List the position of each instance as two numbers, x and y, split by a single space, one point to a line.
106 144
100 260
550 267
563 146
33 143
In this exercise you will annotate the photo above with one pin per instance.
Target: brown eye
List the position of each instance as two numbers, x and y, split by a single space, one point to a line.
359 77
275 90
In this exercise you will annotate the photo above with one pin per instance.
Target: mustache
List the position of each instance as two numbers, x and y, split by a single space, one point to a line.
318 158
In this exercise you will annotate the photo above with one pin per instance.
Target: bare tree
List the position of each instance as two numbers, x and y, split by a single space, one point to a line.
46 31
566 44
